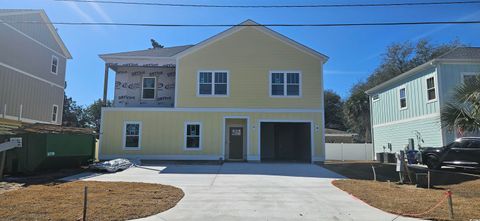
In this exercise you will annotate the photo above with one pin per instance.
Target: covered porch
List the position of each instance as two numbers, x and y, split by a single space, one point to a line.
145 78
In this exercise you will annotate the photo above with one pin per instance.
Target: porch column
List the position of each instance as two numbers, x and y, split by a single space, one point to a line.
105 85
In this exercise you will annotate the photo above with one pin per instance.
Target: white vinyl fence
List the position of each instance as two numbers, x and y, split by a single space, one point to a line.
349 151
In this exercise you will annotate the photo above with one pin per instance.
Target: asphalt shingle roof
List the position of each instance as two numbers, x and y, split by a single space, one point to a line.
462 53
153 52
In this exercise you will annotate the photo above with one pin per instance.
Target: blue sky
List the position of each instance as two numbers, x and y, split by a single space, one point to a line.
354 51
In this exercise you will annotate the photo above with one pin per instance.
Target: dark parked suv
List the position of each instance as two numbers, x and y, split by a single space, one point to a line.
463 152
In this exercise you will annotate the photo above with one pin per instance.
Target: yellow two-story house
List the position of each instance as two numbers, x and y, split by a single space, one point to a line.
246 94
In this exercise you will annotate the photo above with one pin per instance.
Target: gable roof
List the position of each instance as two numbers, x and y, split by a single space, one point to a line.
48 23
457 54
251 23
180 51
152 52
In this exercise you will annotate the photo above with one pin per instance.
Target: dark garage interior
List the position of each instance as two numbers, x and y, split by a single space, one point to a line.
285 142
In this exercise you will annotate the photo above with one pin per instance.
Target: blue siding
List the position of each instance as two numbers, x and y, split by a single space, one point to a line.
427 129
451 75
421 117
387 108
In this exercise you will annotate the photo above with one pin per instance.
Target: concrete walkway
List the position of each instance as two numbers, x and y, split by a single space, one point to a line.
252 191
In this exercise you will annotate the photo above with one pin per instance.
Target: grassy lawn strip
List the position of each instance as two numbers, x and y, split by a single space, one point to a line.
407 199
106 201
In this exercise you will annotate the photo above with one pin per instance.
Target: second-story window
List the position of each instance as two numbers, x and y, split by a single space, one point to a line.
293 84
148 88
213 83
403 98
285 84
220 83
468 77
54 113
54 65
278 84
431 94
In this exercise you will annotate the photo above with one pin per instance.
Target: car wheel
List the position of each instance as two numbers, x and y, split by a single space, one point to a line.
433 163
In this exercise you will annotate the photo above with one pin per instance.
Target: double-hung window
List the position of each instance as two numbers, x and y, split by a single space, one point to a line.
431 94
285 84
54 65
213 83
132 135
148 88
193 136
403 98
278 84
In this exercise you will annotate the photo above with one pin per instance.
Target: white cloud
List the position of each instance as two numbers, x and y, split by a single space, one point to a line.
442 27
86 17
79 11
100 11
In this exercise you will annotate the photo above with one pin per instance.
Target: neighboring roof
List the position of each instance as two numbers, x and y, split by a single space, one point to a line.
52 129
260 27
152 52
7 126
335 132
16 127
48 23
460 53
2 11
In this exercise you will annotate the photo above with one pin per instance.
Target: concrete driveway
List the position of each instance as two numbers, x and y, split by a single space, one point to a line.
253 191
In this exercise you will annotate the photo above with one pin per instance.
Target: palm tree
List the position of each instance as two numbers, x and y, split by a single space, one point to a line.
463 111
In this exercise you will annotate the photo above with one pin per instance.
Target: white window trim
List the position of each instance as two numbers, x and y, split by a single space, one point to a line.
399 98
435 87
124 135
468 74
373 97
56 67
284 72
154 89
56 114
185 135
213 84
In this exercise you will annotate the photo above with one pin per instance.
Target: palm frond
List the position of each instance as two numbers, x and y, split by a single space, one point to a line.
464 109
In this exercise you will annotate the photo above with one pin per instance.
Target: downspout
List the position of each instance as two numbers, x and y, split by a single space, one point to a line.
323 117
372 138
105 85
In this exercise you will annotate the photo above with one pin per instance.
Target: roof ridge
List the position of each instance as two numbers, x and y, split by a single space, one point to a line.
151 52
455 49
448 52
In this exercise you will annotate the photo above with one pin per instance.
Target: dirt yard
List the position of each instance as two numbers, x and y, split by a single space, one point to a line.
106 201
407 199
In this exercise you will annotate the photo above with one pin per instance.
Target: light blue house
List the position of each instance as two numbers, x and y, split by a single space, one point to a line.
408 106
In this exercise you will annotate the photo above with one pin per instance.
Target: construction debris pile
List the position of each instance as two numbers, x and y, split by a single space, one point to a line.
112 166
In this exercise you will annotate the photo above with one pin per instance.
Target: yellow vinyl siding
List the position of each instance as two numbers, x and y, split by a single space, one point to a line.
163 132
249 55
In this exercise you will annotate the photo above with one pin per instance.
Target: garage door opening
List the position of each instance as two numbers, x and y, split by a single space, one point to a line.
285 142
